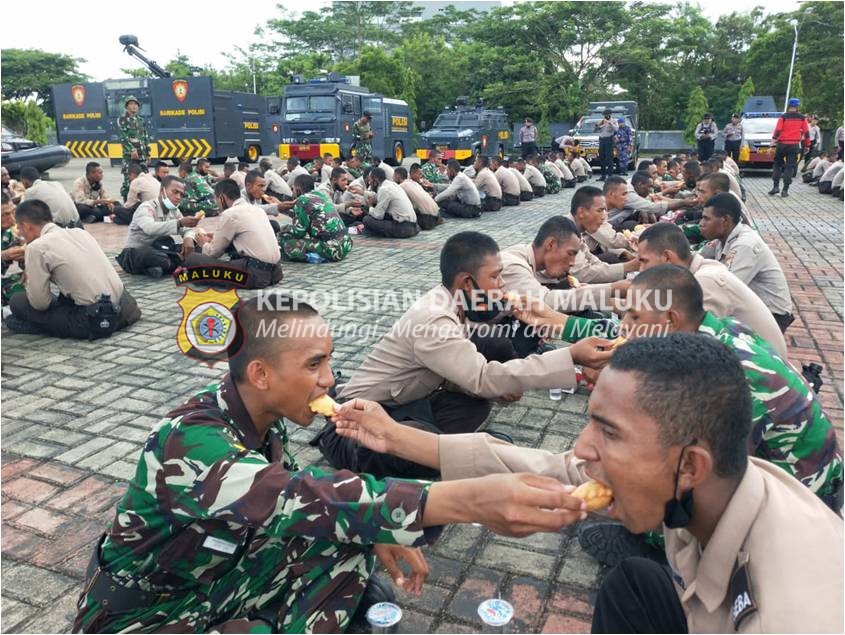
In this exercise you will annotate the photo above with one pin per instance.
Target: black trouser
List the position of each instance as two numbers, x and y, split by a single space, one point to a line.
123 215
442 412
391 228
825 187
783 320
137 260
606 156
63 318
705 149
786 161
491 204
539 190
454 207
97 211
526 195
349 220
529 148
259 276
509 200
581 179
428 221
638 596
732 148
565 183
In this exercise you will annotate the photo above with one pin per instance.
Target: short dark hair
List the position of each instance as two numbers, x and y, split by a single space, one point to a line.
243 164
265 164
643 165
252 176
202 161
558 227
337 173
671 282
496 159
672 163
668 372
725 204
415 167
90 167
693 167
639 178
250 318
483 160
366 113
5 198
583 197
464 252
378 174
658 160
30 173
707 115
185 166
228 188
613 181
170 178
667 237
715 163
401 172
454 165
305 183
719 180
134 169
159 164
34 211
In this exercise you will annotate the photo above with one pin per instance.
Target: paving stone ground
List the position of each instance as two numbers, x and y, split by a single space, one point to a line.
75 415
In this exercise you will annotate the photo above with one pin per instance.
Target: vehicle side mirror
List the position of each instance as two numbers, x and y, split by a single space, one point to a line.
273 109
423 125
347 108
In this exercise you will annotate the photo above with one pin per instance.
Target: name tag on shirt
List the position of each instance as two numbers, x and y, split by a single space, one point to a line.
222 546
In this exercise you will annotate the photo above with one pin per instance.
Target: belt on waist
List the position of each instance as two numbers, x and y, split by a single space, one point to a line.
255 263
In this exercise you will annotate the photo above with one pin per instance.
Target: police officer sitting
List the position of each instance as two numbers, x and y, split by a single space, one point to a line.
92 302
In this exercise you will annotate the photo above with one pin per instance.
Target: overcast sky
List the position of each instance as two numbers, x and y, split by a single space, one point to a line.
206 33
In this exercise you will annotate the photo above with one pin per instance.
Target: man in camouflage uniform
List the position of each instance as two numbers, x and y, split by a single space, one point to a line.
362 137
135 139
220 531
433 170
552 177
12 250
199 195
624 139
316 227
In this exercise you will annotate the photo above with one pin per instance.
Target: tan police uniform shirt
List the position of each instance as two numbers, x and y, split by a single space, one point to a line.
725 295
610 240
588 268
392 202
751 260
145 187
521 276
239 178
291 176
462 189
507 181
421 200
152 221
83 194
248 229
792 542
73 261
53 194
524 185
429 347
534 176
565 170
276 183
487 184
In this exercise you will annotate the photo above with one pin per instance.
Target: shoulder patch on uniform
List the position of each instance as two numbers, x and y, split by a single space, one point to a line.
741 595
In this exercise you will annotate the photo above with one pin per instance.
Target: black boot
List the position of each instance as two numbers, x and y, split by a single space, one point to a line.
775 189
785 192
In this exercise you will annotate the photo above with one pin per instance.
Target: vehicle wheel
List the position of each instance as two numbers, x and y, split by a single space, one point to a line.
253 152
398 152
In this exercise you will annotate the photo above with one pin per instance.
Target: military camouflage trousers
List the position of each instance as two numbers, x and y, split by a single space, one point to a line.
363 150
308 586
11 284
298 248
552 184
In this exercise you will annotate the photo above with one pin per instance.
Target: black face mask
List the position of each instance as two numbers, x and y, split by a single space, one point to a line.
478 314
96 186
678 512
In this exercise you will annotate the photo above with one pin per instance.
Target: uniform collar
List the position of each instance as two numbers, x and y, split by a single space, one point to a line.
735 233
532 261
716 564
237 412
695 263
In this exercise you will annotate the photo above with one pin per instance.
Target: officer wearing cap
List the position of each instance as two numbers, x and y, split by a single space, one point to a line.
135 139
705 134
733 136
606 128
362 136
790 132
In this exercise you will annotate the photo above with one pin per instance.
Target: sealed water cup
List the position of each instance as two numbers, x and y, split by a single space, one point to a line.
555 394
496 614
384 617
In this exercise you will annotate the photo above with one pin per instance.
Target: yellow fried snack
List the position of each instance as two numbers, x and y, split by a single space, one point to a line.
619 341
512 298
597 495
323 405
200 214
573 281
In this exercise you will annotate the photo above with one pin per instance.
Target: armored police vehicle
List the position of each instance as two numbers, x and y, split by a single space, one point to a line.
588 139
187 117
463 131
319 114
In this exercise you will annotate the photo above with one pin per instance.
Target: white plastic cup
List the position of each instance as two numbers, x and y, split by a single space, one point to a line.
555 394
384 617
496 615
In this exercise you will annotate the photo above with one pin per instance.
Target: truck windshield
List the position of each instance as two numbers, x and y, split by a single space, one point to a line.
297 108
588 126
469 120
762 126
449 120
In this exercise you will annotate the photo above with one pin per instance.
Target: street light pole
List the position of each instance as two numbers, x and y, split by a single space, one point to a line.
794 24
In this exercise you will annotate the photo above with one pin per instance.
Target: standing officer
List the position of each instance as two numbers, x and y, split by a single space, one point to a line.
528 138
705 134
92 302
362 136
790 132
606 128
624 145
733 137
135 139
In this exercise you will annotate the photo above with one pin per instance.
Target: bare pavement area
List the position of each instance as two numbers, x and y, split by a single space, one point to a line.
75 415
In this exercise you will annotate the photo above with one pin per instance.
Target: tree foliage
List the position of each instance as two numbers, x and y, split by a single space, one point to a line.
27 118
29 74
696 107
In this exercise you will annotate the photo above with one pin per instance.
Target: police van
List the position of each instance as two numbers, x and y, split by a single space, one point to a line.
759 119
588 139
319 114
464 131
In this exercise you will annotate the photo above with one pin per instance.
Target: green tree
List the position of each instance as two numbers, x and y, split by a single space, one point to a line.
696 107
27 118
30 73
746 90
797 88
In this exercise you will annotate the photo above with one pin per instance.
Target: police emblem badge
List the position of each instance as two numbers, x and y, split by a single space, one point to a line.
180 90
209 329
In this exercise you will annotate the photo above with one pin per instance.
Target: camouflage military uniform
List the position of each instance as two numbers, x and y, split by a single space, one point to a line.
432 174
552 179
133 136
11 283
199 195
218 525
789 428
316 227
624 140
361 141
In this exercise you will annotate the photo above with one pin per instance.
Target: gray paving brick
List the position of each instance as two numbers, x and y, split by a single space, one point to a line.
78 453
34 585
